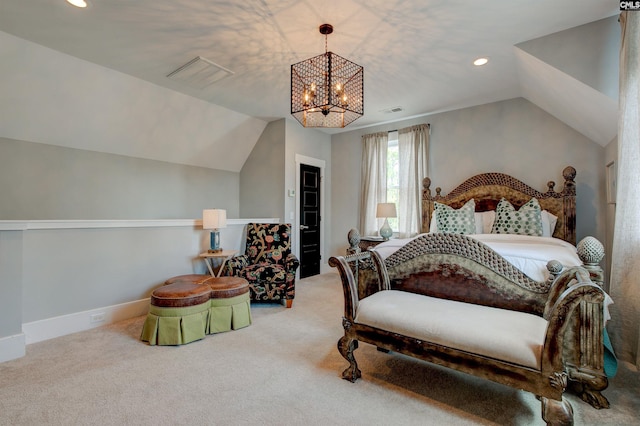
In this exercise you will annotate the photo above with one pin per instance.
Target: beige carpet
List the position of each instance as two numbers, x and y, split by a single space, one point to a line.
283 369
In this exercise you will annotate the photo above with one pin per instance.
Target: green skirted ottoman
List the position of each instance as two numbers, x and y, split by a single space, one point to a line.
179 314
230 304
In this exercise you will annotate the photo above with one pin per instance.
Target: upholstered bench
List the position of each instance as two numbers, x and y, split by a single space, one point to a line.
178 314
188 307
517 349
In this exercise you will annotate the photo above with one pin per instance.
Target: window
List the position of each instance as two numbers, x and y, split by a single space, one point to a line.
393 166
393 177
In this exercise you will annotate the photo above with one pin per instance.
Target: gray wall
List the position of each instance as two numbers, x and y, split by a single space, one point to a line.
11 248
262 176
102 267
39 181
513 137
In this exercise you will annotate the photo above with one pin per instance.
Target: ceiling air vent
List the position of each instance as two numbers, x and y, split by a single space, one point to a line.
200 73
392 110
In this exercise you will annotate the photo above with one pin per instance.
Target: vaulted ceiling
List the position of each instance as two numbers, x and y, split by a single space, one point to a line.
417 55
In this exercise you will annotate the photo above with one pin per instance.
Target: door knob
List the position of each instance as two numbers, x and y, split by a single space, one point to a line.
303 227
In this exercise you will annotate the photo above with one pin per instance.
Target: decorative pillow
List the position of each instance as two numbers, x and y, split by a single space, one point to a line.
452 221
526 221
549 221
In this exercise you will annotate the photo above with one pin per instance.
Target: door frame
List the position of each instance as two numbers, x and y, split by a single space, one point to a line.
316 162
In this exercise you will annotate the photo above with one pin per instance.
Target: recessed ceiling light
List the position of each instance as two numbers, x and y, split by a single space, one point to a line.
480 61
77 3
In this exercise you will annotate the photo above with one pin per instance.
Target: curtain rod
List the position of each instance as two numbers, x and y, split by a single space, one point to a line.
428 125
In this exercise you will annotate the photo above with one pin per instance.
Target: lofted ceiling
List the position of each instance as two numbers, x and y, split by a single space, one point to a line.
417 55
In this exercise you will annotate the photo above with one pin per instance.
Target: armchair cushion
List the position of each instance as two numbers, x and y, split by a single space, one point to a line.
264 272
236 264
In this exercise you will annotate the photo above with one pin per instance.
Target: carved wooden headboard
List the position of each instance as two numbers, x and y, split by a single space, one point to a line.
488 188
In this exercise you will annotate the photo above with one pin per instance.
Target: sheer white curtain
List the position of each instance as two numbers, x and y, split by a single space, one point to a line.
625 262
413 152
374 180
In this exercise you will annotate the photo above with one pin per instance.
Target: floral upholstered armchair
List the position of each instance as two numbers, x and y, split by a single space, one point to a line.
268 264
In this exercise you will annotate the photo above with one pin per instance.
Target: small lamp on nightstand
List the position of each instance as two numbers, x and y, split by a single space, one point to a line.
214 219
386 210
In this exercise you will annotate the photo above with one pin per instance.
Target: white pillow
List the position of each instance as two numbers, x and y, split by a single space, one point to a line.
486 221
477 217
433 225
548 223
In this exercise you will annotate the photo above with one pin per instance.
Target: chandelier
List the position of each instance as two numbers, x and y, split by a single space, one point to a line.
327 90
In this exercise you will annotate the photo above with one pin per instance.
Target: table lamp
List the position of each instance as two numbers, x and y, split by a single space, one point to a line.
214 219
386 210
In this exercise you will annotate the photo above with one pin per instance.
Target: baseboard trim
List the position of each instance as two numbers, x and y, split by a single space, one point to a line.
12 347
50 328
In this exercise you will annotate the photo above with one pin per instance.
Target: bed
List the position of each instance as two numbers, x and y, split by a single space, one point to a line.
477 258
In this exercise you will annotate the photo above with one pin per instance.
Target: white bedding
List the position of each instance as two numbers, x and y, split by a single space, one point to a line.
528 254
531 254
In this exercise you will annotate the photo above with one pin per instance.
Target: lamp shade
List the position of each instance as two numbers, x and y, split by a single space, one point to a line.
386 210
214 219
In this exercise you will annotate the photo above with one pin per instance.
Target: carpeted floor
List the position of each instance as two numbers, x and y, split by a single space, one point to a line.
282 370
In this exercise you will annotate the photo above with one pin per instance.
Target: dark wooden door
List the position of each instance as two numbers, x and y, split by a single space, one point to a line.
309 220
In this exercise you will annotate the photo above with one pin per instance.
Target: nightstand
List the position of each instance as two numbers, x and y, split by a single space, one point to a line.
366 242
223 255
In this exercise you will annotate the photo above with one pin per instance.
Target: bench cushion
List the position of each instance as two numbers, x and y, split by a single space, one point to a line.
502 334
